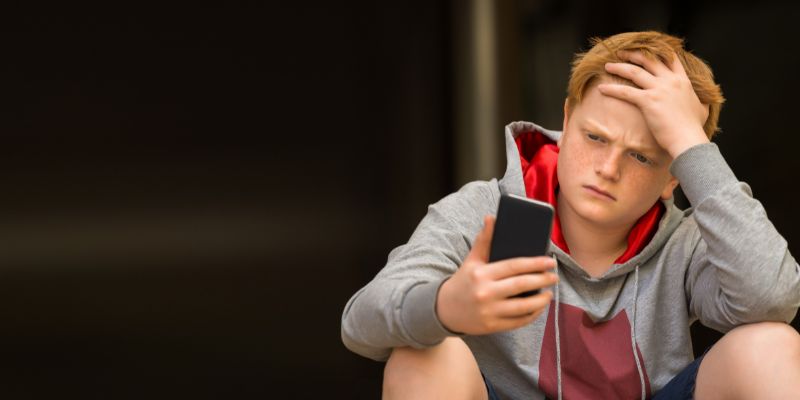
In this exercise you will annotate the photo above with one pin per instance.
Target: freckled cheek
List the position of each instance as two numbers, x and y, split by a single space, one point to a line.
577 154
582 160
568 165
573 162
645 184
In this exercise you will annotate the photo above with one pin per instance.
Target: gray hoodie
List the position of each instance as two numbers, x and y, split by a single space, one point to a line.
620 335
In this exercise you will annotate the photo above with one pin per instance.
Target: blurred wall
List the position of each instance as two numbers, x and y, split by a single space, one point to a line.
193 193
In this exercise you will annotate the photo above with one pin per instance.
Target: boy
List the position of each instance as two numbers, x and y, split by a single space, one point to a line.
627 272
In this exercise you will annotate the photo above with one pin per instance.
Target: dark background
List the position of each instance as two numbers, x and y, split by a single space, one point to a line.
190 195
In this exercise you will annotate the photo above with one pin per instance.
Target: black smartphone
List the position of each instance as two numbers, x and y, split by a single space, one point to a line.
522 229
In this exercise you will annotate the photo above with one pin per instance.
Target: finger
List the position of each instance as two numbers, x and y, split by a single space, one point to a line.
677 66
652 65
507 324
522 283
483 242
523 306
530 318
632 72
519 265
622 92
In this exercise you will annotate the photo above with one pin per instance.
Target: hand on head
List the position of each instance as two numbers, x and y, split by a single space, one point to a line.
665 97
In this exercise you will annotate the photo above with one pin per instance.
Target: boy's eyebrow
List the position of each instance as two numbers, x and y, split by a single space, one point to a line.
599 128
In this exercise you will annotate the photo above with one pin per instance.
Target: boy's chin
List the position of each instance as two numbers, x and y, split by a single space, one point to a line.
602 217
601 214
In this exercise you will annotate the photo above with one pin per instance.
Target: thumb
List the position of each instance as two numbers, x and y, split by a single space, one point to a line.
483 242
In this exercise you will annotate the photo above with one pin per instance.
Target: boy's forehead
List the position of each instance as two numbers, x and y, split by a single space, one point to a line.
615 118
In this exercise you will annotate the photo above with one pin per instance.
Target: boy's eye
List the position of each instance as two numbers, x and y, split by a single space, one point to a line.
594 137
642 159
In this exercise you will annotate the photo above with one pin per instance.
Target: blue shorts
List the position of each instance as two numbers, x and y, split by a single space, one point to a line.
681 387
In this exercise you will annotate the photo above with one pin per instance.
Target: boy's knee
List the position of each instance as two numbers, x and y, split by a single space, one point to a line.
728 368
401 366
404 362
394 369
765 338
756 343
448 366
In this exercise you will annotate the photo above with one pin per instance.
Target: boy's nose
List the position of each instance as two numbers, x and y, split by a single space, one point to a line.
607 166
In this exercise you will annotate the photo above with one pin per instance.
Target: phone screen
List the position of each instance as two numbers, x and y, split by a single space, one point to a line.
522 229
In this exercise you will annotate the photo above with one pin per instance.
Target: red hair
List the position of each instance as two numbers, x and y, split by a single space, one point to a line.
589 67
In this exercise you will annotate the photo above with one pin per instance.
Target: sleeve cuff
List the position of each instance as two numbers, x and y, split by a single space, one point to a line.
702 172
419 314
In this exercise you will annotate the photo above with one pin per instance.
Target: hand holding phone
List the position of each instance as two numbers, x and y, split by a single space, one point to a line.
479 298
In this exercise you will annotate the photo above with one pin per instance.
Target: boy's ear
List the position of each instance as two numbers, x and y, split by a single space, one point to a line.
669 188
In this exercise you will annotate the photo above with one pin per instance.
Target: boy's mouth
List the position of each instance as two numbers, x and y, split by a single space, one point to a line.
599 191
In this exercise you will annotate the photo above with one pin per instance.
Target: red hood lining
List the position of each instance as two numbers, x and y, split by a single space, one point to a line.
539 159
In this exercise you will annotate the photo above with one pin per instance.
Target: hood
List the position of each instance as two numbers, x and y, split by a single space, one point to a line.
532 158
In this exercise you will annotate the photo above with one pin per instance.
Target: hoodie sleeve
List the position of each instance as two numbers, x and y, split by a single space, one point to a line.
741 270
398 307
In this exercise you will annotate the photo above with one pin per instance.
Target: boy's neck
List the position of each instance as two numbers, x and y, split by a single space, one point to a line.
594 248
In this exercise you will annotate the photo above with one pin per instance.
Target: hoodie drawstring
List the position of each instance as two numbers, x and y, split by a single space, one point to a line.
558 337
633 331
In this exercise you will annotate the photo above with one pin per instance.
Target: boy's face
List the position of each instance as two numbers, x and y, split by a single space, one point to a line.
606 146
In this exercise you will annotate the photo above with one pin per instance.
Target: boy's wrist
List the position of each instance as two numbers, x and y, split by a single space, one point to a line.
688 140
441 308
